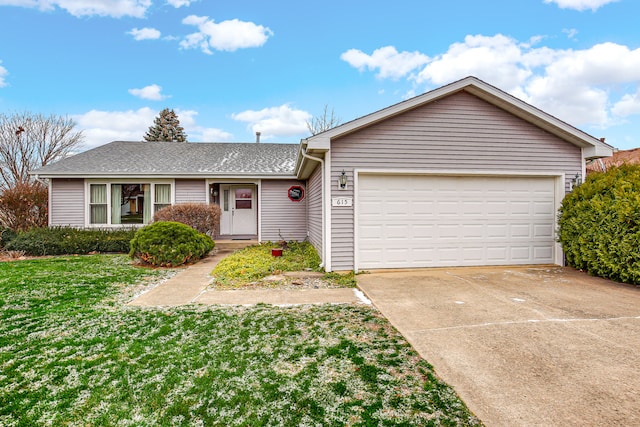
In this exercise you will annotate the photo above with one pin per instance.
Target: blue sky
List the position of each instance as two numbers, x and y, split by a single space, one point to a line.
231 68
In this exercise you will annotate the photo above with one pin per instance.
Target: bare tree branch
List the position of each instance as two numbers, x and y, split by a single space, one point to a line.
326 121
29 141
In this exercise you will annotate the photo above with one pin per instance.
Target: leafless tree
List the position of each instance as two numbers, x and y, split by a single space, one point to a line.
28 141
326 121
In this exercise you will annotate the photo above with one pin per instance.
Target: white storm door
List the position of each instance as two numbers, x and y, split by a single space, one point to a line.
244 218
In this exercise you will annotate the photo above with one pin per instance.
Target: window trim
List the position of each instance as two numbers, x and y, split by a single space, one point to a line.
108 183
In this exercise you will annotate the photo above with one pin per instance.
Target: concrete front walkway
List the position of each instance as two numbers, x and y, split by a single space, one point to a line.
523 346
191 286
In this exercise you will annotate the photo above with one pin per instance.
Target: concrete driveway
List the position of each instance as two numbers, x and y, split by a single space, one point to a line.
522 346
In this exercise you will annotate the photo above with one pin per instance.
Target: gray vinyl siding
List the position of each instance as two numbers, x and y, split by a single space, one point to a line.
459 133
67 202
282 218
191 191
314 208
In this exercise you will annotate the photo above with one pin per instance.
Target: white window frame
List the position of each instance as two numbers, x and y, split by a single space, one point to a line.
108 182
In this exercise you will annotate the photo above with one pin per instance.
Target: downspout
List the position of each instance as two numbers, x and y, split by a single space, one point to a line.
321 161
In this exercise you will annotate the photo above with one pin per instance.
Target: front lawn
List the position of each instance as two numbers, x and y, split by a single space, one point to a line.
72 353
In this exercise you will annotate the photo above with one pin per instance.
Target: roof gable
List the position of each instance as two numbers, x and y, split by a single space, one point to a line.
592 147
177 159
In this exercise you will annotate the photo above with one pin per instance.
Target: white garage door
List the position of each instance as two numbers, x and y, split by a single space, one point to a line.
435 221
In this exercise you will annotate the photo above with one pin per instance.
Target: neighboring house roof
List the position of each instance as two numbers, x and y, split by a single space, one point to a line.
619 158
592 147
177 159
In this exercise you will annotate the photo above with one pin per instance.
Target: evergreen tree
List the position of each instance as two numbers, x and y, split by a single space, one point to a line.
166 127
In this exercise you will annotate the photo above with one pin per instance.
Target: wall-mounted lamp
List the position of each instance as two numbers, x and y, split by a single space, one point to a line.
342 181
577 180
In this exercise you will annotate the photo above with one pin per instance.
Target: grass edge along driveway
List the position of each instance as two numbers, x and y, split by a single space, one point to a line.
72 353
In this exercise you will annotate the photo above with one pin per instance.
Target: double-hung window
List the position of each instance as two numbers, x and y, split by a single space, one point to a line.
162 196
98 203
126 203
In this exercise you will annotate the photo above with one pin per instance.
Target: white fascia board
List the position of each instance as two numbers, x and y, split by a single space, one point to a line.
165 176
598 151
321 143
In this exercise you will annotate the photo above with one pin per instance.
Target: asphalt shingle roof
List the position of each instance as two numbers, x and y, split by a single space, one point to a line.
125 158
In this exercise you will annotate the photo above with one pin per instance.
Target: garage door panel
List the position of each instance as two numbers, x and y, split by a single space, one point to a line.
520 254
423 232
544 231
424 221
475 231
543 208
521 231
542 253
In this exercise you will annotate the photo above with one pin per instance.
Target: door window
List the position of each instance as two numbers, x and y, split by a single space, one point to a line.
244 198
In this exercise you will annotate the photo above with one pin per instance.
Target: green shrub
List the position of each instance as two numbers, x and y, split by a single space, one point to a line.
69 241
6 235
169 244
599 225
204 218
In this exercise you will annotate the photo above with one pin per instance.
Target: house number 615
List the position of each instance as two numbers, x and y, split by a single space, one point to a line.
342 201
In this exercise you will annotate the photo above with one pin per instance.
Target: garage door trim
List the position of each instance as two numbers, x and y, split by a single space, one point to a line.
559 193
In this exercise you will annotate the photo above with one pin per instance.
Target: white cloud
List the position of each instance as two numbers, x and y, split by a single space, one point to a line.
145 33
3 74
101 127
497 59
387 60
596 87
580 5
209 135
628 105
224 36
179 3
197 133
571 33
113 8
275 121
152 92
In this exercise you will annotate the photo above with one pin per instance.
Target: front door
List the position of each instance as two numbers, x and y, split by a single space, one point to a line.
239 210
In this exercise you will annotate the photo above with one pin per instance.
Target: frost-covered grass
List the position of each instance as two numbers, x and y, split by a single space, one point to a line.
72 354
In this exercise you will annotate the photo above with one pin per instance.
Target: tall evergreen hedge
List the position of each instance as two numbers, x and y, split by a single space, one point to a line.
599 225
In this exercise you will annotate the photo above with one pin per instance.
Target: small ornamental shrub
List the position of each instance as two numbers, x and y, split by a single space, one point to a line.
71 241
204 218
24 206
169 244
599 225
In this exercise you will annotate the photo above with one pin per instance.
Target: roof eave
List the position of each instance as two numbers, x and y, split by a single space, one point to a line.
304 165
164 176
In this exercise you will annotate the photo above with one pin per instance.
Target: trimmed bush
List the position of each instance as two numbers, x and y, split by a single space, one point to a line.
203 218
169 244
599 225
69 241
